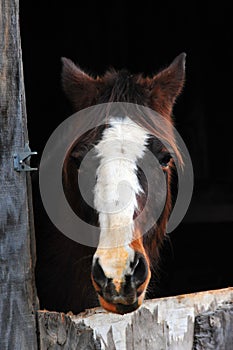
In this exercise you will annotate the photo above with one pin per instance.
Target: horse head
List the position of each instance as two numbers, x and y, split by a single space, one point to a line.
122 263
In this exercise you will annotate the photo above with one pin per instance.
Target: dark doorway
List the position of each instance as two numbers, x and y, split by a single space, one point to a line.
144 39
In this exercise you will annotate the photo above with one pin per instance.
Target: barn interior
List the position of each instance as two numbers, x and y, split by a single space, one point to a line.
144 38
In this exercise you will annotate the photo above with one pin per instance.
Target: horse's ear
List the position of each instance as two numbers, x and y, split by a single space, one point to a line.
167 85
79 87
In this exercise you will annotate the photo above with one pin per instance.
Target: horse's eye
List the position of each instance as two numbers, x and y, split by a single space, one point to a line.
164 158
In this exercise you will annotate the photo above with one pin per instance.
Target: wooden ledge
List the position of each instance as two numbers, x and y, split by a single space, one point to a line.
184 322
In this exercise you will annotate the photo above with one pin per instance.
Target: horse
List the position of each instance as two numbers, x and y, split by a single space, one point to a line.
71 276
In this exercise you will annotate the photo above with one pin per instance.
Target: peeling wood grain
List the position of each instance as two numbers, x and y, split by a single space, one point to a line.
57 331
145 332
18 301
214 330
169 325
160 324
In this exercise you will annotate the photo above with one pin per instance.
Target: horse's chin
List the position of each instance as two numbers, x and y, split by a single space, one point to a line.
121 308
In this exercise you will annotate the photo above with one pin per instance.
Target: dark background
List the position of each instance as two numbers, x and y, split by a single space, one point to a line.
144 38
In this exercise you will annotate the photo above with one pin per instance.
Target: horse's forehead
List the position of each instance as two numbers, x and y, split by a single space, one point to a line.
119 150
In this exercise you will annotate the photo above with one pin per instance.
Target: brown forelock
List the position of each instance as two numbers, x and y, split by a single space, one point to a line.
121 86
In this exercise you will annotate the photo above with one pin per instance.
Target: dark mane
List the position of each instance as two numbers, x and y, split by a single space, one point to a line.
121 86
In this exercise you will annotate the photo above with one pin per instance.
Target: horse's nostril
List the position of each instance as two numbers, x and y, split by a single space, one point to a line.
98 274
124 290
141 271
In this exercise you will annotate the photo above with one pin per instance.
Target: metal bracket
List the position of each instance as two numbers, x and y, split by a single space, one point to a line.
21 158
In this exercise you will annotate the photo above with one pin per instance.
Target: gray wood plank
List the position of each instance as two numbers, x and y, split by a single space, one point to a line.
17 250
214 330
159 324
57 331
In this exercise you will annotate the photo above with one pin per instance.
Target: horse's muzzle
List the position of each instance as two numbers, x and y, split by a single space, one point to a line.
122 296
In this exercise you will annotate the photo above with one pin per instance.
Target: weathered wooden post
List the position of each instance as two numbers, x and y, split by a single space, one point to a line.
17 255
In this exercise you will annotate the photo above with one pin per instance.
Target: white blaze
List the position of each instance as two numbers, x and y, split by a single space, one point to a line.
117 186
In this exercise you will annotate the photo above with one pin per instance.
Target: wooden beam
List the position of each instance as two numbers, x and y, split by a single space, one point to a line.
17 247
214 329
166 323
58 331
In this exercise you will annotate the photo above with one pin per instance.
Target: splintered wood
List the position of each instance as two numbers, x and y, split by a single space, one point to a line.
195 321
